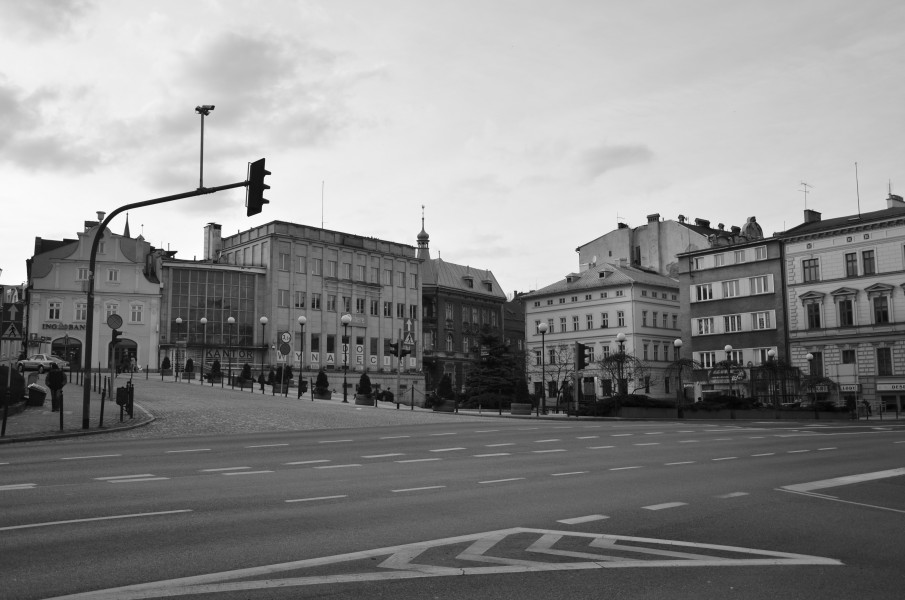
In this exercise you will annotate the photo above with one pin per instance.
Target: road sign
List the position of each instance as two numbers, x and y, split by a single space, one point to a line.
285 337
114 321
285 348
409 339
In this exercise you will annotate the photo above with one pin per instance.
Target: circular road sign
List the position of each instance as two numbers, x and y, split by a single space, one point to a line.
114 321
285 348
285 337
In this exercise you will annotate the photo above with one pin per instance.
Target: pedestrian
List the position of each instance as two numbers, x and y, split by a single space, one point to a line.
867 408
55 381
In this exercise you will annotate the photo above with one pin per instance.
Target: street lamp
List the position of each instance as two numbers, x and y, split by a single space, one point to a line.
178 324
771 357
203 110
810 358
680 402
728 350
542 328
263 349
346 319
203 321
302 320
231 321
623 388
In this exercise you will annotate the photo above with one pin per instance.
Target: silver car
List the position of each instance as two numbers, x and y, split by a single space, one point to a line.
41 363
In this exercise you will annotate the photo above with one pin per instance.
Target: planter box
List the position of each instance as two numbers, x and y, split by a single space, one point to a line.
362 400
448 406
166 372
519 408
322 395
188 375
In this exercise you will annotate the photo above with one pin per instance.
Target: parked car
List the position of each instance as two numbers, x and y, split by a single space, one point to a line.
41 363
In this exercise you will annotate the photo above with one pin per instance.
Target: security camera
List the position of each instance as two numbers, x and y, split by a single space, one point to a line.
204 109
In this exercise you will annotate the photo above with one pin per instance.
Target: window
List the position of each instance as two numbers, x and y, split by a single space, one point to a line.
760 253
730 288
374 275
848 357
620 293
697 264
360 305
604 320
732 323
332 267
881 309
359 272
760 320
645 349
562 324
675 321
449 311
347 270
665 320
719 260
81 311
816 366
574 299
705 326
300 264
331 302
846 312
53 311
884 361
113 275
538 356
851 264
82 274
284 262
400 310
644 318
375 308
654 320
400 278
656 352
449 343
135 313
644 292
620 318
550 326
867 262
465 346
413 311
589 321
759 285
347 304
587 296
574 322
413 281
739 256
703 292
283 298
810 270
735 357
387 276
707 359
299 300
315 301
317 266
551 356
813 312
111 309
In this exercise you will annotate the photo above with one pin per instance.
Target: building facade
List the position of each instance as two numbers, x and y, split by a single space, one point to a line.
845 278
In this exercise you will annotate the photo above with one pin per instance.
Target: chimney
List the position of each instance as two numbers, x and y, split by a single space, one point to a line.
653 218
894 201
681 218
811 216
212 241
702 223
736 230
621 225
100 216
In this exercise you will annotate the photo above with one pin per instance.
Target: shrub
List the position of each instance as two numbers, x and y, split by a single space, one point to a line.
165 365
444 390
364 385
246 371
189 366
17 385
321 384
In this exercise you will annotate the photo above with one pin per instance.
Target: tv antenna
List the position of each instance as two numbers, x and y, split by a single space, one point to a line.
805 191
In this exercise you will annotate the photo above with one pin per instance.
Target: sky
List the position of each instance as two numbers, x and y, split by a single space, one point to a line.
520 129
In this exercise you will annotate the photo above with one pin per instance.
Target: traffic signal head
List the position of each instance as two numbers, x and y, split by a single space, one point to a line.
582 356
394 348
405 352
116 334
254 197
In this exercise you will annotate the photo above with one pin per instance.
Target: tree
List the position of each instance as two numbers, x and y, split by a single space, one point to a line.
445 390
497 372
683 370
246 371
364 385
321 383
165 365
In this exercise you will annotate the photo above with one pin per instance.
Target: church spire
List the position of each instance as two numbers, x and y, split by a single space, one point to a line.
423 240
126 230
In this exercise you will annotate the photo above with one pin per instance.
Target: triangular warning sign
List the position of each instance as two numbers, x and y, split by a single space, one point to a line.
11 333
409 340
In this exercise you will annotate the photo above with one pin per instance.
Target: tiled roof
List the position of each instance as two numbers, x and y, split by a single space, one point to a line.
846 221
614 276
437 271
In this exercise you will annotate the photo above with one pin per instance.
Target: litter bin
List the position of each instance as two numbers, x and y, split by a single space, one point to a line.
122 396
56 400
36 395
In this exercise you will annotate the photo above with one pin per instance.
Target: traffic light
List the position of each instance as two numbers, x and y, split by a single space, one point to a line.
254 197
582 356
116 334
405 352
393 348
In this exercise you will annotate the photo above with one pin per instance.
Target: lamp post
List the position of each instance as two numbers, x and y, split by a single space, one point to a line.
542 328
620 337
810 358
771 358
680 400
728 350
203 110
263 349
178 324
231 321
346 319
66 353
302 320
203 321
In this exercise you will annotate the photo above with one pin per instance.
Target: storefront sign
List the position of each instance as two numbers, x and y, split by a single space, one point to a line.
891 387
68 326
850 387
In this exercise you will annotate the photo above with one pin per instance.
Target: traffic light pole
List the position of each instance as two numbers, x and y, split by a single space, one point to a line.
92 264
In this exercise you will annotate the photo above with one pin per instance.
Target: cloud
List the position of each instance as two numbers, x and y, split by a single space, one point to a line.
41 19
603 158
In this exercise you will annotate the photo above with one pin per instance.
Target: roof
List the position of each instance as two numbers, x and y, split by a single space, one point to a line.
843 222
439 272
614 276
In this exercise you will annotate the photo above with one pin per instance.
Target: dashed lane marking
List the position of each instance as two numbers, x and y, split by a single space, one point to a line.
248 472
725 458
546 441
846 480
267 446
624 468
569 473
388 455
647 444
18 486
90 519
796 451
416 460
419 489
89 457
395 437
338 466
733 495
493 454
499 445
599 447
131 478
665 505
307 462
585 519
548 451
765 454
822 449
317 498
683 462
587 437
188 450
503 480
334 441
447 433
223 469
447 449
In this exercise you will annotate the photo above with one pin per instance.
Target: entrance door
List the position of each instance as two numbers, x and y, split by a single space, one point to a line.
123 354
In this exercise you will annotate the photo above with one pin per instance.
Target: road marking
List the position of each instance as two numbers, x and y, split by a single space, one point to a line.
545 441
494 454
797 451
395 437
623 468
725 458
483 552
317 498
383 455
765 454
686 431
267 445
88 520
131 478
485 430
190 450
689 441
722 439
903 442
527 428
18 486
664 506
587 519
334 441
846 480
446 449
447 433
647 444
734 495
757 437
307 462
621 434
415 460
587 437
419 489
88 457
548 451
821 449
338 466
221 469
599 447
684 462
253 472
570 473
498 445
503 480
654 433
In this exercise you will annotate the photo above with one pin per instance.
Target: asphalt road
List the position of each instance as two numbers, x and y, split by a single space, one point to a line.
459 508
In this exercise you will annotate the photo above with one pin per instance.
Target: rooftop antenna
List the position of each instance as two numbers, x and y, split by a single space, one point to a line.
322 203
805 191
857 189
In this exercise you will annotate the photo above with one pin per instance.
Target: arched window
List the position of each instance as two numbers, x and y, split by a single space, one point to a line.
449 342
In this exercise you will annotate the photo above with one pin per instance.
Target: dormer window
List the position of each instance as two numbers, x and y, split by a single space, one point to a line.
469 281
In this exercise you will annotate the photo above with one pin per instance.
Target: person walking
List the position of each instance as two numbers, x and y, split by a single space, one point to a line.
55 381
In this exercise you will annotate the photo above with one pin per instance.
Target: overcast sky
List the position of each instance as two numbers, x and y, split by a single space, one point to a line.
524 127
